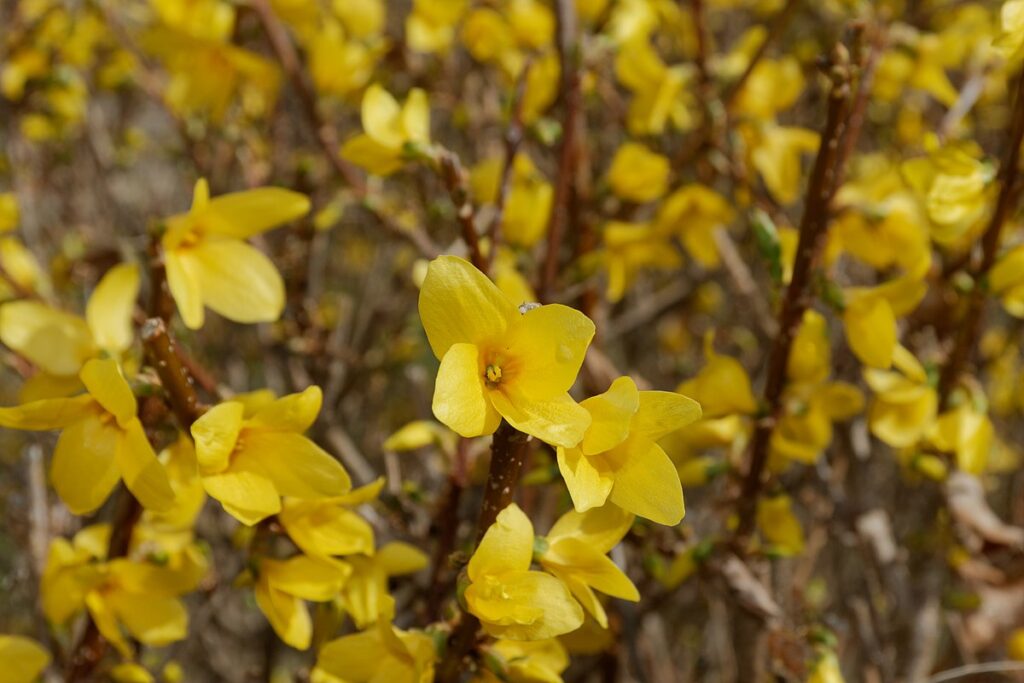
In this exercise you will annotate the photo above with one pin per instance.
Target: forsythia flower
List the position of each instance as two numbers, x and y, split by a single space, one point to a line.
430 27
528 205
826 669
637 174
952 185
23 659
779 526
511 600
1007 280
209 263
1011 39
619 459
630 248
574 551
776 155
248 462
101 442
694 213
324 527
540 661
387 129
658 89
499 363
905 403
365 590
381 653
968 434
282 585
9 213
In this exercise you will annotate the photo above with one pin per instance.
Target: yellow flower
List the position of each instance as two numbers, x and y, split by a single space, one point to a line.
1006 279
388 128
366 591
905 403
637 174
9 213
248 462
540 661
722 387
870 314
968 434
779 526
430 27
528 205
327 526
574 552
619 459
283 585
694 213
209 263
497 362
101 442
338 65
776 154
1011 39
129 672
381 653
24 659
658 90
630 248
773 85
952 185
510 600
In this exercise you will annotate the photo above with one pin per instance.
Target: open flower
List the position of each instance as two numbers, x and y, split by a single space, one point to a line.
24 659
575 552
248 462
324 527
209 263
619 459
283 585
541 661
510 600
499 363
905 402
367 588
387 128
101 442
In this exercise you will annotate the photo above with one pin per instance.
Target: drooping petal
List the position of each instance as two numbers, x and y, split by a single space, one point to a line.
647 484
601 528
215 434
356 657
241 215
460 399
287 614
548 345
183 281
24 659
416 117
296 465
381 116
589 486
871 330
309 578
397 558
367 153
48 413
103 379
324 528
84 469
153 620
663 412
56 341
238 281
109 311
506 546
557 420
246 495
458 304
611 414
291 413
588 564
142 473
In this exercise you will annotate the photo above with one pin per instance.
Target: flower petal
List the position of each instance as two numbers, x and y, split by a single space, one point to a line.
104 382
182 280
243 214
602 528
246 495
287 614
84 469
143 474
611 414
308 578
460 400
215 434
663 412
152 620
57 342
548 344
24 659
48 413
291 413
648 483
381 116
296 466
535 606
109 311
557 420
506 546
238 281
588 485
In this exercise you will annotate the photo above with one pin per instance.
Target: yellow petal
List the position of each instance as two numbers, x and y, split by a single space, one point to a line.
576 557
367 153
106 622
531 606
558 420
779 525
325 528
103 379
1008 271
506 546
150 619
48 413
291 413
647 484
57 342
24 659
287 615
238 281
460 400
84 469
246 495
243 214
215 434
381 116
416 117
602 528
183 282
308 578
142 473
416 434
109 311
129 672
588 484
356 657
663 412
611 414
548 344
397 558
871 330
458 304
296 466
637 174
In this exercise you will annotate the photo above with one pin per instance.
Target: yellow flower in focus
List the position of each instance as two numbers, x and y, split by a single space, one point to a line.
23 659
694 213
283 585
324 527
779 526
248 461
366 591
637 174
209 263
905 403
510 600
574 551
499 363
387 129
381 653
541 661
619 459
101 442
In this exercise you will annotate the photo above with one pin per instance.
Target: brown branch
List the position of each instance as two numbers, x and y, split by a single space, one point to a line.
970 326
568 59
813 228
508 453
454 177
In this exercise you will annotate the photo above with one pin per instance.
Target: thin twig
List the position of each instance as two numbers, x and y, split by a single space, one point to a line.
513 139
775 31
454 176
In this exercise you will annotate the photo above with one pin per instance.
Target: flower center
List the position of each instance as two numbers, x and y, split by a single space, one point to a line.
493 375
